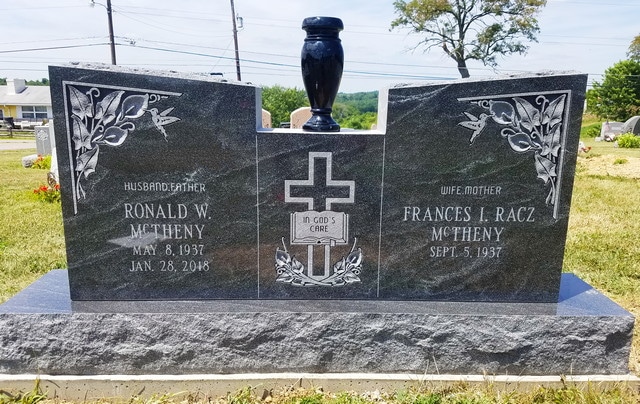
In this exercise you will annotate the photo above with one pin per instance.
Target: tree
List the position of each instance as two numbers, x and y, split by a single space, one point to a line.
471 29
359 120
634 49
281 102
43 82
617 97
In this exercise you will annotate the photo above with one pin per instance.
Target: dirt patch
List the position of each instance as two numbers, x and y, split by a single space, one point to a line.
606 165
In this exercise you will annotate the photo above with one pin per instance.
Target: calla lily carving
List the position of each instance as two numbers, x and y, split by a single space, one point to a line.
106 118
530 127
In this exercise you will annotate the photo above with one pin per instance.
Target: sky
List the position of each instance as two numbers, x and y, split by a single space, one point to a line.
587 36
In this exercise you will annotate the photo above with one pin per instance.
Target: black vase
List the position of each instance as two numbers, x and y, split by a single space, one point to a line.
322 63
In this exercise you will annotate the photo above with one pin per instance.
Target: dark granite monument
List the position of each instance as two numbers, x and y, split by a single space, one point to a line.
431 245
173 194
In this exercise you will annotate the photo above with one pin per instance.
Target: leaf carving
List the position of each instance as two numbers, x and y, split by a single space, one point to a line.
296 266
87 162
553 114
106 109
552 141
351 277
529 115
288 268
81 136
134 106
546 168
555 139
80 104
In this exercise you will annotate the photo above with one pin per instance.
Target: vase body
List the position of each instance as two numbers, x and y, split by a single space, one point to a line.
322 64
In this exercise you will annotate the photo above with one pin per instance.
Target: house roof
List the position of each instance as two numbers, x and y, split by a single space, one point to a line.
31 95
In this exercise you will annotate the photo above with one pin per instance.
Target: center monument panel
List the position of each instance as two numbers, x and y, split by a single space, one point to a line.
319 214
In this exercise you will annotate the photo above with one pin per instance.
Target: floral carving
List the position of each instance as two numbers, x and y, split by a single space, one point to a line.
345 271
103 118
530 127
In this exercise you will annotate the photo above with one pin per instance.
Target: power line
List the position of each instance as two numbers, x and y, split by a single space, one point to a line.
277 64
52 48
163 28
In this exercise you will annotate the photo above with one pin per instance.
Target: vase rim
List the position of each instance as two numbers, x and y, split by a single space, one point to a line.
323 22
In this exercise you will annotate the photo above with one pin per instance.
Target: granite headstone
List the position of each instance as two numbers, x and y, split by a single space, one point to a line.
477 186
172 192
158 180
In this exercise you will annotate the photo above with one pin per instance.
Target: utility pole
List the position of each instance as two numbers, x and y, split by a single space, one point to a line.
235 40
111 40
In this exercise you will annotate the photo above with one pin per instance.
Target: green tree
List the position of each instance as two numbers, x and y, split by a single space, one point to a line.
3 81
471 29
359 121
617 97
42 82
281 102
634 49
363 101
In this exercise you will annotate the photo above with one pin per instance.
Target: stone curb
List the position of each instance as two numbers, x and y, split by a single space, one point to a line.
68 387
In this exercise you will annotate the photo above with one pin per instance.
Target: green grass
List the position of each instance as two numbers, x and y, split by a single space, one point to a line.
589 119
598 148
460 393
31 235
17 135
449 394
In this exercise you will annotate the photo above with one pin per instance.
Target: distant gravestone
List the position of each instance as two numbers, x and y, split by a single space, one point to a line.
631 125
299 117
266 119
43 140
610 130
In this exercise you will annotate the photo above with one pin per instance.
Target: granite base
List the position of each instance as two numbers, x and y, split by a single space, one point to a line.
42 331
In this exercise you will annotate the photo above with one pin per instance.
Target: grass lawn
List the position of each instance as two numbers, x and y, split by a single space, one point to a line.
31 235
603 248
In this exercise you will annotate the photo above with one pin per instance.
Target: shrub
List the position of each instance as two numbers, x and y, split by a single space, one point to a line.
48 193
42 163
629 141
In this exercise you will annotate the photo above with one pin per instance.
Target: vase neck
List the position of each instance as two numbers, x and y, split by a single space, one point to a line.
316 33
